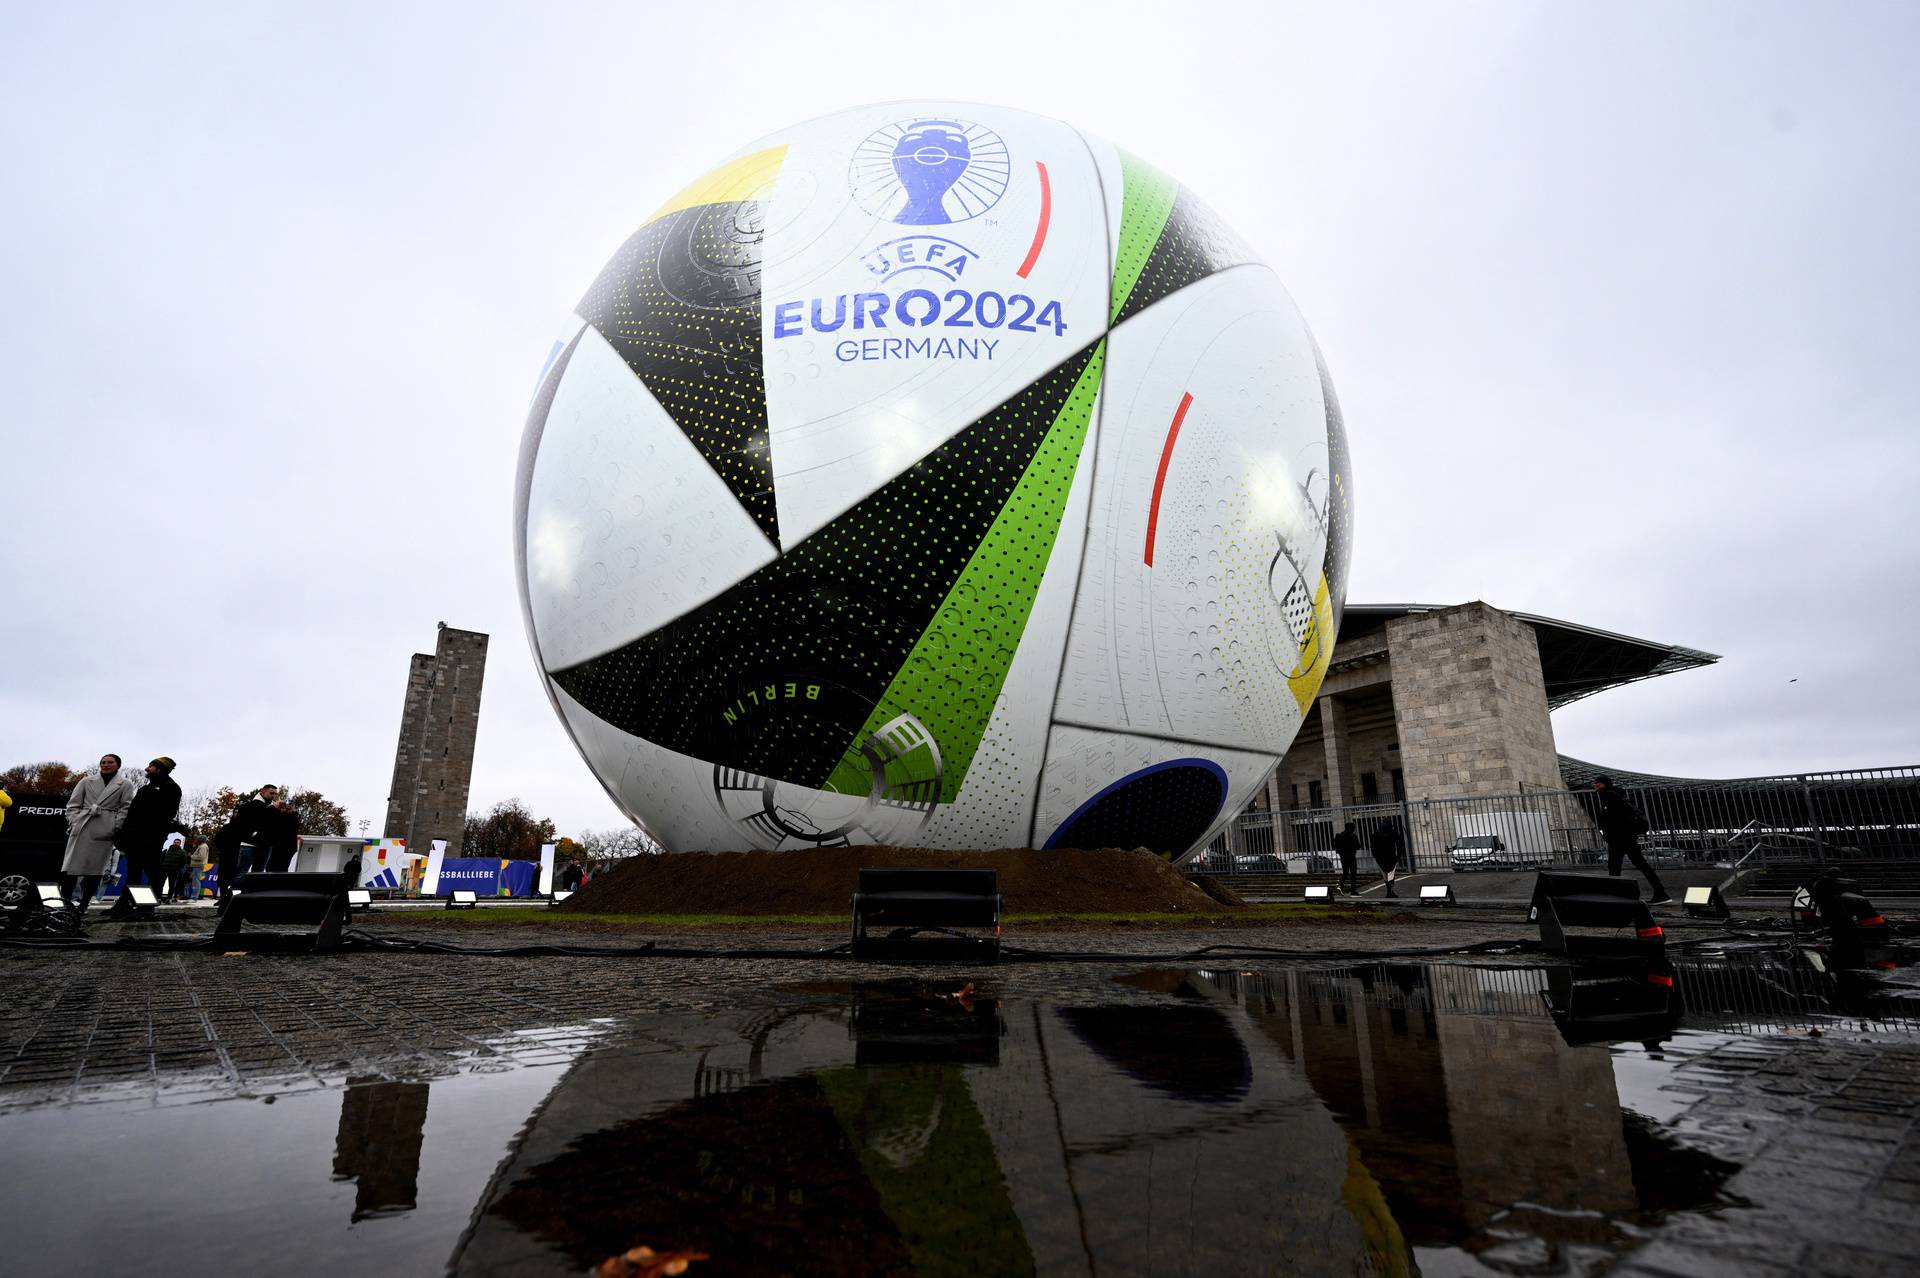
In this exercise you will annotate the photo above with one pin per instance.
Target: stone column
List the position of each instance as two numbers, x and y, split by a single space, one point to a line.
433 763
1333 739
1470 704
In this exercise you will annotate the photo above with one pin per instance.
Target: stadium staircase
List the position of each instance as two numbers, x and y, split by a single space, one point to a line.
1876 878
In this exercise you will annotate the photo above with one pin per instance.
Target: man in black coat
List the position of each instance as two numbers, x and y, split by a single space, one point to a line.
279 836
1621 825
242 827
1346 845
1386 846
151 817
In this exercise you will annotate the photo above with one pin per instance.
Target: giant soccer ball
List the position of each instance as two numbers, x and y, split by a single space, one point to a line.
933 474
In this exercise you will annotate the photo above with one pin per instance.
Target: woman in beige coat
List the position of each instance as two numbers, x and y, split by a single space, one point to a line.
95 812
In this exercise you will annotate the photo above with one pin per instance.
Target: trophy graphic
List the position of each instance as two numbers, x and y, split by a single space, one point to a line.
928 159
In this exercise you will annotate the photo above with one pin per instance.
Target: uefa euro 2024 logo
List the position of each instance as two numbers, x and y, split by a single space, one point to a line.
925 173
930 172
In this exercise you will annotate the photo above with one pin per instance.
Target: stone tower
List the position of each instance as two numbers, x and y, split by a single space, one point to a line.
434 762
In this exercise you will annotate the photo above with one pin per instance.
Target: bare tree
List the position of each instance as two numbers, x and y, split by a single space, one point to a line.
604 847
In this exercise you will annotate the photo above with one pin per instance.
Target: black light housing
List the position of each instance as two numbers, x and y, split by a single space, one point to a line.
1563 901
922 908
1706 903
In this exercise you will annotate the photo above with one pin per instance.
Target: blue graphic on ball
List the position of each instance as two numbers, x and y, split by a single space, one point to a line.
930 172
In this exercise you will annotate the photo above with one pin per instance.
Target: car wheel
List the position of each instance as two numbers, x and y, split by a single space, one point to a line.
14 889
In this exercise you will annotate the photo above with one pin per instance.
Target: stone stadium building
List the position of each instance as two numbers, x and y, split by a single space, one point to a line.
1427 702
1439 718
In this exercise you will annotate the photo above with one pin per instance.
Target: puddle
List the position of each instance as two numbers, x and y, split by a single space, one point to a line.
1388 1119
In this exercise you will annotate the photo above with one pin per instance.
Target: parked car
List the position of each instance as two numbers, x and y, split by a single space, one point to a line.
1488 852
32 843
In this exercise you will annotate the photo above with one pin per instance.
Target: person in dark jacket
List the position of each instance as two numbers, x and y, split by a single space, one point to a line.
1621 825
1386 845
279 837
243 827
174 858
1346 845
151 817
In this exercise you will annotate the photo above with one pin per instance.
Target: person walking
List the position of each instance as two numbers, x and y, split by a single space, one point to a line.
151 817
96 809
1387 846
1346 845
236 837
1621 825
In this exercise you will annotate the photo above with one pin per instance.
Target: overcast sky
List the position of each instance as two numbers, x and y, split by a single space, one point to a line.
1619 301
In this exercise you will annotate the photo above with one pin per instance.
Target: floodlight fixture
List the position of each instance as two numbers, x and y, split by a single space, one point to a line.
1706 902
463 900
359 898
1319 892
1437 894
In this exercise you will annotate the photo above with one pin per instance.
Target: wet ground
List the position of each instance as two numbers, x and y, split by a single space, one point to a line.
396 1113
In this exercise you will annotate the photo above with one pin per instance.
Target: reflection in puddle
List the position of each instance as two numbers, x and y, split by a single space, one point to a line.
1493 1141
884 1129
1383 1119
382 1125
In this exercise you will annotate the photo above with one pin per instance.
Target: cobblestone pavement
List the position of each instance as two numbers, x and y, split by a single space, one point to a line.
112 1025
1823 1128
1824 1132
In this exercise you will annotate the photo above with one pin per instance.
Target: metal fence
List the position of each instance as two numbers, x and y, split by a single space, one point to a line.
1864 814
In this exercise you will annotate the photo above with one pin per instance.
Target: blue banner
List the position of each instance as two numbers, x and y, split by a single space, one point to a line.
487 876
519 878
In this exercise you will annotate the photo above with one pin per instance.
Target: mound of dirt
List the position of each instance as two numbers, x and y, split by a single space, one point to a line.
822 880
1219 891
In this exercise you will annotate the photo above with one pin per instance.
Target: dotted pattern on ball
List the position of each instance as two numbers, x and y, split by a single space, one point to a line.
1147 198
1233 627
1194 244
680 302
998 791
954 672
838 613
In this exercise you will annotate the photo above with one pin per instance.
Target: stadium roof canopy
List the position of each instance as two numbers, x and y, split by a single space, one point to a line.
1577 661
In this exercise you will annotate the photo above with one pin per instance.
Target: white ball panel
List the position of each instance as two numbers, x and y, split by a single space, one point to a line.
1196 644
627 525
